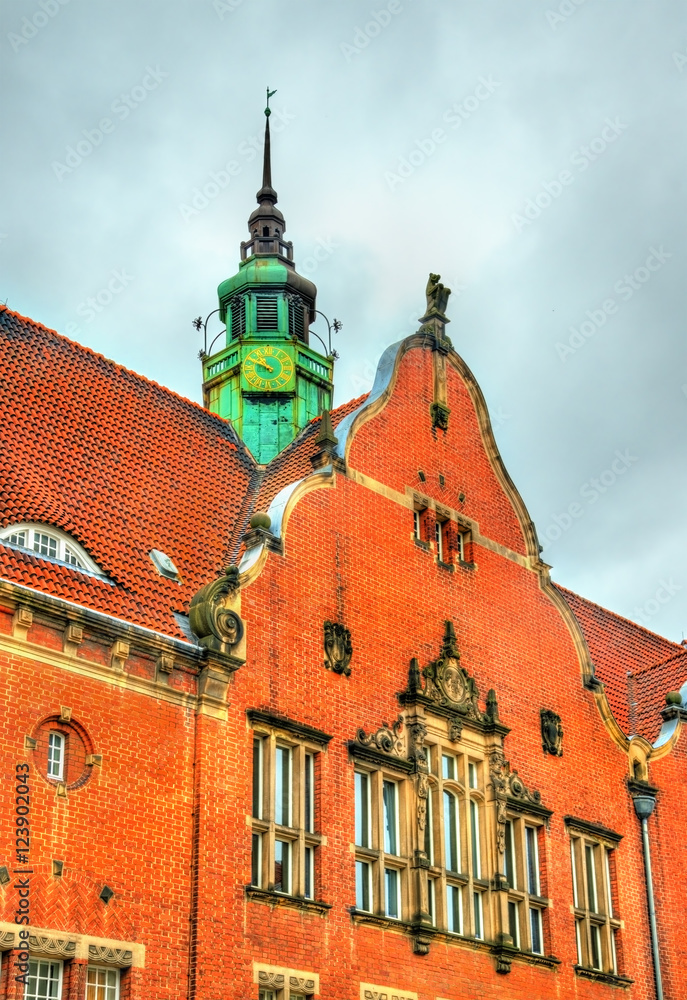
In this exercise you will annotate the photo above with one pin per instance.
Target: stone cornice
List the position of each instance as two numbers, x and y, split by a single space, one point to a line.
102 625
120 640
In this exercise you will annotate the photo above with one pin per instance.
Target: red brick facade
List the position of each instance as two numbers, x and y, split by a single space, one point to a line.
157 799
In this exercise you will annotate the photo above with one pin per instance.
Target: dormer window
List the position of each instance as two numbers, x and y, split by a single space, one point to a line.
49 543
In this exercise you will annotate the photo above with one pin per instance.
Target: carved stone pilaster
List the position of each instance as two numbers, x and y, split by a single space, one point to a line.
213 684
164 667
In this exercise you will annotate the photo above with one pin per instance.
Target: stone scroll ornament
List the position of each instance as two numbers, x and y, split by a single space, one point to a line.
214 615
551 732
387 738
337 648
507 784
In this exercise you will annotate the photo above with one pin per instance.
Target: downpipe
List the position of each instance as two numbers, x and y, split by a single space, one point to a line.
644 806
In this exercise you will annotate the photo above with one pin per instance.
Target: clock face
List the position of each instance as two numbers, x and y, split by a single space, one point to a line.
268 368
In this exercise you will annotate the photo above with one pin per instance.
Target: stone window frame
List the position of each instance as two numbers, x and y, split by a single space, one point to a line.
595 914
520 894
471 885
376 857
269 733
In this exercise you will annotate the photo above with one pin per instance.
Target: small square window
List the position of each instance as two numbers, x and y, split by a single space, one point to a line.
448 767
102 984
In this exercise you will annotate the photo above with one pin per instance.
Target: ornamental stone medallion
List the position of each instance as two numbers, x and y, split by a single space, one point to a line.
337 648
551 732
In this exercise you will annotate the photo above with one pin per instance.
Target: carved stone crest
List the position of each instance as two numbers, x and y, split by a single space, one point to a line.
551 732
448 684
215 618
337 648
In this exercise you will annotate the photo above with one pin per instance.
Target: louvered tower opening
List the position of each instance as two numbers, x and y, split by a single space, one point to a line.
297 320
238 318
267 312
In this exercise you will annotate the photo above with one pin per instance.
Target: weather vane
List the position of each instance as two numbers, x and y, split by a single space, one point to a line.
270 93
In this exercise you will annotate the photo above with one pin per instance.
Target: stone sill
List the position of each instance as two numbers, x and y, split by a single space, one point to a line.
602 977
422 545
283 899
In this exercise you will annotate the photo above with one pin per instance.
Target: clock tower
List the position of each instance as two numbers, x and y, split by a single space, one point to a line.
266 378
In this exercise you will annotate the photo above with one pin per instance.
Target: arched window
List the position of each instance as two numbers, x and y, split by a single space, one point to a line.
451 834
49 543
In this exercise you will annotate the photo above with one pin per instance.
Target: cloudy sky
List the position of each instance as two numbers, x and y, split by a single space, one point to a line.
532 153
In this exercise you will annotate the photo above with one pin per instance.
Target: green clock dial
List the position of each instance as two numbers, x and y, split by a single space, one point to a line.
267 368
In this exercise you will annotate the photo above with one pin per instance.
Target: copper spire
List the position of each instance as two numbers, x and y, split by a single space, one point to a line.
267 192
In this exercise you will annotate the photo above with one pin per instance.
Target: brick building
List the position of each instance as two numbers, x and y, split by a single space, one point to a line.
291 707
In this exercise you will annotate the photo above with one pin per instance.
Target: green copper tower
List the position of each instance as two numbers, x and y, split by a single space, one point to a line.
267 379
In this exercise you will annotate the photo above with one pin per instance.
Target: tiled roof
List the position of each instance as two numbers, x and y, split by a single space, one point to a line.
294 462
621 649
121 464
648 689
124 465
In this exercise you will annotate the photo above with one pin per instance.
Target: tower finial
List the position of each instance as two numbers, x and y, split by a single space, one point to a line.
267 192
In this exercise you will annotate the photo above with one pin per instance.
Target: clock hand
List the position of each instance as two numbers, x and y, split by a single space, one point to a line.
265 365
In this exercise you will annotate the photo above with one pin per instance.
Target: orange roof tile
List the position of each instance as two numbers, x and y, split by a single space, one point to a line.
121 464
621 649
125 465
